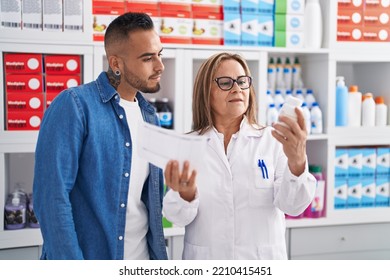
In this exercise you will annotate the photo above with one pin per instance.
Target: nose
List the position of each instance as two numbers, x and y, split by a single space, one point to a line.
159 66
236 87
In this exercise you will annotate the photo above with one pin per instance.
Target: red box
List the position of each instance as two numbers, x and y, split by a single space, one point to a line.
350 16
178 6
17 102
175 27
57 83
22 63
106 7
376 34
382 5
207 29
62 64
376 17
350 4
141 5
349 33
50 97
24 83
24 120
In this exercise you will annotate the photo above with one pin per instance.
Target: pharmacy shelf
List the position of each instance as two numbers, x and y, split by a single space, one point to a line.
360 136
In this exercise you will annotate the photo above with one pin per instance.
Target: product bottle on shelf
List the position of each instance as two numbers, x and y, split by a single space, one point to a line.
368 110
272 114
278 98
279 83
307 115
287 74
299 95
316 119
296 74
15 211
380 112
270 99
341 102
309 98
165 114
316 209
354 106
313 24
271 77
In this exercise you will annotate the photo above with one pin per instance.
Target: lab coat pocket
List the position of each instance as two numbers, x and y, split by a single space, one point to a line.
195 252
263 197
263 173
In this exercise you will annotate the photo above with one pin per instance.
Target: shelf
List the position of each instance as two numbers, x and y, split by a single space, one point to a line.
20 238
364 136
173 231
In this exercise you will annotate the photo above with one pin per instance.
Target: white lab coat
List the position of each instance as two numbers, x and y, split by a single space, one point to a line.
238 212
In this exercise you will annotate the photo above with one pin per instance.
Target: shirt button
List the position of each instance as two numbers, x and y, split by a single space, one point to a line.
120 237
121 116
122 205
126 174
116 96
127 144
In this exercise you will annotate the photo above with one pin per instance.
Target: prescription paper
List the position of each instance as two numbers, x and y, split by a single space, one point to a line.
159 145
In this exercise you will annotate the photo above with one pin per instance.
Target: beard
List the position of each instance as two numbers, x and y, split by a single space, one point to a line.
140 84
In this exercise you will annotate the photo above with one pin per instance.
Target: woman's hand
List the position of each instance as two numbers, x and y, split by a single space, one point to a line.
293 139
183 182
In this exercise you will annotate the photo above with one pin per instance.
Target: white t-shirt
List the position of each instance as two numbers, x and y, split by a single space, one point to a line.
136 247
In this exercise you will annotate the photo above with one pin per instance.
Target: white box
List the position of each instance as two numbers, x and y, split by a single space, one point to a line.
32 14
11 14
73 15
52 15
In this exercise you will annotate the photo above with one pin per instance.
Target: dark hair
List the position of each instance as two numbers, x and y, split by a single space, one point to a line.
120 27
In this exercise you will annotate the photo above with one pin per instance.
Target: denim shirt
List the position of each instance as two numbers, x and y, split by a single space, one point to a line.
81 180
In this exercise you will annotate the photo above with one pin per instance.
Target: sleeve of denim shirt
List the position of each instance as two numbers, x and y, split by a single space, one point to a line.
56 163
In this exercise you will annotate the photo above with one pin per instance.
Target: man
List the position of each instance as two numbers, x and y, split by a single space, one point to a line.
93 196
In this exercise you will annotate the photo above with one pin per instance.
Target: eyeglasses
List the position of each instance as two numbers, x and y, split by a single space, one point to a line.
227 83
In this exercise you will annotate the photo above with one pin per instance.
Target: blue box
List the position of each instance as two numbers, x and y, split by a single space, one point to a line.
266 6
355 158
382 198
382 162
232 29
249 6
249 29
368 162
231 6
266 30
341 164
354 198
368 192
340 194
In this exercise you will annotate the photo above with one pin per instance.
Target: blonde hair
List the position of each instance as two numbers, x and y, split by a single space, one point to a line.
201 107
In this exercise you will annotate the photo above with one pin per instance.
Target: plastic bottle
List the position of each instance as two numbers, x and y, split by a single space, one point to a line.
270 99
368 110
354 106
271 77
313 24
316 119
165 114
15 212
288 108
299 95
307 115
31 219
278 98
287 74
287 93
272 114
279 83
296 74
341 102
309 98
380 112
316 208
